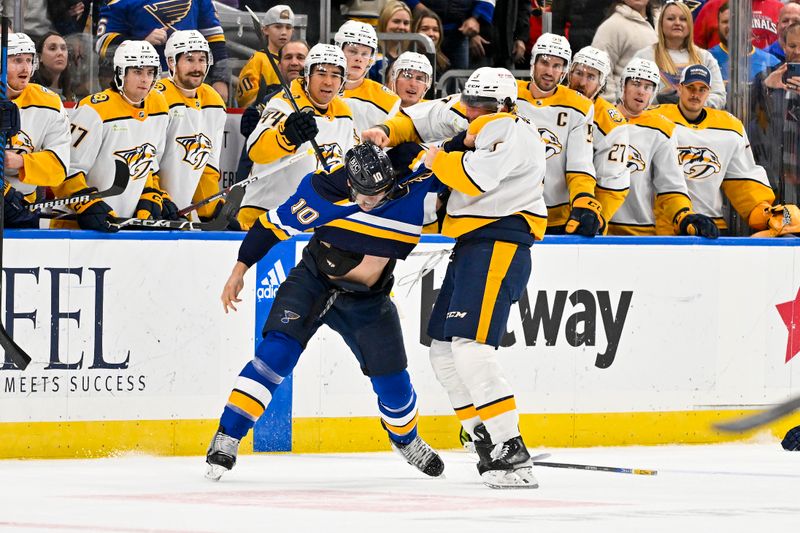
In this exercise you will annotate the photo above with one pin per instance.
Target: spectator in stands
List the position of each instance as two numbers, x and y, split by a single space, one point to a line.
789 14
675 51
35 21
69 16
410 78
278 25
54 70
765 22
363 10
462 21
509 32
759 59
583 18
629 27
131 19
428 23
395 18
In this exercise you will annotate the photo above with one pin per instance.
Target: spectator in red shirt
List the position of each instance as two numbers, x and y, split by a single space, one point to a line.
765 23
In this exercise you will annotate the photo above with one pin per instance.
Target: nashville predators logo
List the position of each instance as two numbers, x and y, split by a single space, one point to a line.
169 12
552 146
21 143
635 160
698 163
139 160
615 116
333 155
197 149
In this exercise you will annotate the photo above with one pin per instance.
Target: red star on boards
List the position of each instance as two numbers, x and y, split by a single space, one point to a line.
790 314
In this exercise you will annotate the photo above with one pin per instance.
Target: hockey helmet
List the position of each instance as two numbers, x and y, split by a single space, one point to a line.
413 61
490 88
550 44
325 54
134 54
355 32
20 43
182 41
596 59
642 69
369 171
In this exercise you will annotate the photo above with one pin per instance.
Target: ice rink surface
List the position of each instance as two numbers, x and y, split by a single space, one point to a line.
730 488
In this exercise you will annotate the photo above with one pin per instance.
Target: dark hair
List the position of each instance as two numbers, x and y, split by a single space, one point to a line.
290 41
723 8
648 13
43 77
442 62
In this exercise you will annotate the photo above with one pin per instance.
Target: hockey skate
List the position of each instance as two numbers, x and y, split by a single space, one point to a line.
506 465
221 455
418 454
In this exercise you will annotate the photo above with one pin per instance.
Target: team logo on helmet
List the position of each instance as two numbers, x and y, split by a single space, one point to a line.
698 163
22 143
139 160
197 149
552 146
333 154
635 160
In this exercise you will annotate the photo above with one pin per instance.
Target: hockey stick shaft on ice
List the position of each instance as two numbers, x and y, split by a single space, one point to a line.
763 418
285 86
121 177
14 352
613 469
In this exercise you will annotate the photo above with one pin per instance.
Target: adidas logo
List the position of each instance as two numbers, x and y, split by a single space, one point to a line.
268 287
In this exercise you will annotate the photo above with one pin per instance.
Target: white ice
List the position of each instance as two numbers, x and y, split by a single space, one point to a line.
729 488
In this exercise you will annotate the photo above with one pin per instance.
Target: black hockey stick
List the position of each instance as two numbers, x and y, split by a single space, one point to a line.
17 354
763 418
279 165
613 469
121 177
219 223
285 86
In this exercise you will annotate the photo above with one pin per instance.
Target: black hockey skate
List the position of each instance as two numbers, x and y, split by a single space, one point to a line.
507 465
483 447
221 455
418 454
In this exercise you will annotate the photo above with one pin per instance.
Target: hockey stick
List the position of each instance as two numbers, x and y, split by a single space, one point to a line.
285 86
280 165
17 354
760 419
614 469
219 223
121 177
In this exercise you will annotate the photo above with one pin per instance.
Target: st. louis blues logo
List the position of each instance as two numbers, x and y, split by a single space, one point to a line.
139 160
698 162
197 149
169 12
635 160
552 146
288 316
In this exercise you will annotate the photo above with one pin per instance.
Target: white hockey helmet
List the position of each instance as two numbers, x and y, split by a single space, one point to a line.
550 44
20 43
413 61
134 54
596 59
327 54
490 88
643 69
182 41
355 32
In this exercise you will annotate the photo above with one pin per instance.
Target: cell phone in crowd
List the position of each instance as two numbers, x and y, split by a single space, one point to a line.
792 70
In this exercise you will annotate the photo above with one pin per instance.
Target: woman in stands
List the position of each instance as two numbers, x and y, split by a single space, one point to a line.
395 18
54 72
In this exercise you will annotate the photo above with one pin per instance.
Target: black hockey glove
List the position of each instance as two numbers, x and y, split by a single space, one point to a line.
585 218
17 214
9 118
456 144
250 119
696 224
299 128
169 211
95 214
791 441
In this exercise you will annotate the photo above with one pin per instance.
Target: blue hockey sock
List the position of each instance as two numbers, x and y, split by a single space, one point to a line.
397 403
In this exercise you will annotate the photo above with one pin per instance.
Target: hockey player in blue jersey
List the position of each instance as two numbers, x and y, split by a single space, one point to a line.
364 220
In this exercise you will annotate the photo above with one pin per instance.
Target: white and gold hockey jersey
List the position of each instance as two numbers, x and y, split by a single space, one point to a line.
716 157
189 167
371 104
430 121
564 120
658 190
43 141
267 145
106 128
610 140
502 177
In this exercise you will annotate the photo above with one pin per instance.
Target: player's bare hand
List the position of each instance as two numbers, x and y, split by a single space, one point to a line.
157 37
13 160
234 285
470 27
376 136
431 155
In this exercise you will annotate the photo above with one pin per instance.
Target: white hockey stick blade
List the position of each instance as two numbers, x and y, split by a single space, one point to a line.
121 177
763 418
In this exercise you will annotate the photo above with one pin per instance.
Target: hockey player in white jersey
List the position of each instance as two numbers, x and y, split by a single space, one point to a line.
495 212
658 200
715 156
564 119
411 77
126 122
189 169
588 74
371 102
282 132
37 155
